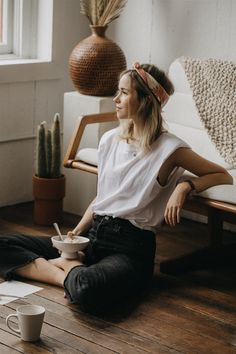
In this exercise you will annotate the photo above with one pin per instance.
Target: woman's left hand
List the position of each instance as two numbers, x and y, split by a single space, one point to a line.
175 203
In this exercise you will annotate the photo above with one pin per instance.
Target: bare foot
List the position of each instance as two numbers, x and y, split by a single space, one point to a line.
65 264
56 262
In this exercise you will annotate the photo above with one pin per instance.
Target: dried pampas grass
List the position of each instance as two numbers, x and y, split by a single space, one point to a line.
102 12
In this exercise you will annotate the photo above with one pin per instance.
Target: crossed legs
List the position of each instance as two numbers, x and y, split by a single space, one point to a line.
33 258
96 285
52 271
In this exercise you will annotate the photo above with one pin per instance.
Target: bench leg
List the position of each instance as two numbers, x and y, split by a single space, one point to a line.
215 254
215 228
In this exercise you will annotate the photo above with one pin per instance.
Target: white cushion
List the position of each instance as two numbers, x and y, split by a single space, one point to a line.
199 142
233 174
88 155
181 109
179 78
224 192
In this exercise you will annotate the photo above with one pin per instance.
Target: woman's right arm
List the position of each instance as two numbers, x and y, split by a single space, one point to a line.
86 221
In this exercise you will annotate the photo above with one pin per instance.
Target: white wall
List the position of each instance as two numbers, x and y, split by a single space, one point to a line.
158 31
24 102
155 31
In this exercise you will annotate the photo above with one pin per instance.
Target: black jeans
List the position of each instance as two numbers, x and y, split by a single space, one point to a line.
118 262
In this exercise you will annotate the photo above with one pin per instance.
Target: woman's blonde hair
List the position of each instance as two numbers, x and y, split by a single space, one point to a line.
149 118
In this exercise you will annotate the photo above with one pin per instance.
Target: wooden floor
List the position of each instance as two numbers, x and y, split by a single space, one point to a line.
190 313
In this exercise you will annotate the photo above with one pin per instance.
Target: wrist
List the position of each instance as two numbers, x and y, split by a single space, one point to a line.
80 230
76 231
187 186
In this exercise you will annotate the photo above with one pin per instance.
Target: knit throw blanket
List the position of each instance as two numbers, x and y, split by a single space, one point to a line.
213 83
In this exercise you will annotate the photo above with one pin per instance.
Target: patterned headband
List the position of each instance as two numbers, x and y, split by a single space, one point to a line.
158 91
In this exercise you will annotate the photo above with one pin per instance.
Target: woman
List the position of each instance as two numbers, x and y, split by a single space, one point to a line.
139 166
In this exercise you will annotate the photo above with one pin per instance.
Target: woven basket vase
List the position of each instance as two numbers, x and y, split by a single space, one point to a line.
96 63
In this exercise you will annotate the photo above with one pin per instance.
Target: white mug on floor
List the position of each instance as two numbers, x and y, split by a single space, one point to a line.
30 320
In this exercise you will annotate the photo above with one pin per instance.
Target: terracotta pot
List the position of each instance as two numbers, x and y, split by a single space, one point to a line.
96 63
48 200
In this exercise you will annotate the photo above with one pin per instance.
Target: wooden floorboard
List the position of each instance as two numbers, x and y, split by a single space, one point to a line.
194 312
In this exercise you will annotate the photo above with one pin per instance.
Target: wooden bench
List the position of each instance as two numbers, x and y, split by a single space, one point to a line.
216 211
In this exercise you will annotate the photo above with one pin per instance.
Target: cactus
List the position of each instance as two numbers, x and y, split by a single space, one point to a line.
56 148
41 166
48 151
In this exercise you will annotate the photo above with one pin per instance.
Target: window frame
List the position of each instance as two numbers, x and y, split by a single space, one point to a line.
45 66
6 45
21 20
25 19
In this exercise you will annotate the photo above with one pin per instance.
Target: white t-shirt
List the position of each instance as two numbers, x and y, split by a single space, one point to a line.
127 179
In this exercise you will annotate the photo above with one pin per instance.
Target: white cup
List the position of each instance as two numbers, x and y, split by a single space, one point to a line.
30 321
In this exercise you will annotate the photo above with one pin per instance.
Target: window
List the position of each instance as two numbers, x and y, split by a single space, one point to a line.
1 9
23 24
31 56
6 26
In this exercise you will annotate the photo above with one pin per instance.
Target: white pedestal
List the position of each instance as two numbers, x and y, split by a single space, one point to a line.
81 186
